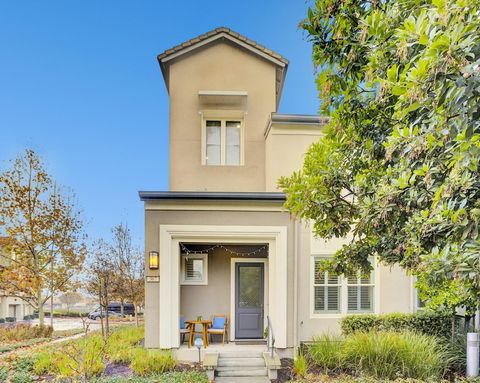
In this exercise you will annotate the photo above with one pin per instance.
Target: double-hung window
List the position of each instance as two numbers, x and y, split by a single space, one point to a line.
223 142
334 294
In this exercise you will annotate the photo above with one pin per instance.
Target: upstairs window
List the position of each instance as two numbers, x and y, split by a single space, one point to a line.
223 142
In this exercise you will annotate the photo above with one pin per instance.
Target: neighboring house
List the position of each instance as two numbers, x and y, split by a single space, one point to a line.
11 306
226 244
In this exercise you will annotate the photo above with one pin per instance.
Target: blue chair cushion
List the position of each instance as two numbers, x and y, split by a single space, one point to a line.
219 323
182 323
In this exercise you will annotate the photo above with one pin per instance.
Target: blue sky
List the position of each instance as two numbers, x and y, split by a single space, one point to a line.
80 84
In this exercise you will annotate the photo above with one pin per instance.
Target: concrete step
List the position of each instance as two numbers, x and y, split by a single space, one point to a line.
241 362
241 354
241 372
257 379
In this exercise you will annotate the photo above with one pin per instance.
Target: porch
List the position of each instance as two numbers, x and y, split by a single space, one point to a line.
226 284
206 271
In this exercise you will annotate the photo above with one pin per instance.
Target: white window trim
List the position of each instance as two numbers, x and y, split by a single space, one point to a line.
204 280
223 117
343 293
415 297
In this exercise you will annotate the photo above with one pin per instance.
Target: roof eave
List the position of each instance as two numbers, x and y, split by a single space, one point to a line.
216 196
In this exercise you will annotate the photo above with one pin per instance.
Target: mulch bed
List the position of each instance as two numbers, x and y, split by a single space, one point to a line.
115 369
286 372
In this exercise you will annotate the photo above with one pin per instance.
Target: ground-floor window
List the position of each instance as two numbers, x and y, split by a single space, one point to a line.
194 269
332 293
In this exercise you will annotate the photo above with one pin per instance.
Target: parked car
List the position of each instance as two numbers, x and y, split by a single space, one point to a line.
95 315
128 308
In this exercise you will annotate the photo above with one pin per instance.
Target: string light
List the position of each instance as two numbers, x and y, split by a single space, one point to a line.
228 250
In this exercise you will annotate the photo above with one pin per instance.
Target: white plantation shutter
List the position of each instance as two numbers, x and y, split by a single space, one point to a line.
194 269
326 289
360 292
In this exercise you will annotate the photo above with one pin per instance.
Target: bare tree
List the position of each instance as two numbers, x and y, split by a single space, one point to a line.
129 263
70 298
43 234
100 276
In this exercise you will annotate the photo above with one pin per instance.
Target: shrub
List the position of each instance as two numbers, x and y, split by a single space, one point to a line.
23 364
390 354
2 320
24 331
80 358
300 365
21 377
66 313
3 374
43 363
10 319
145 362
458 350
325 352
122 341
427 322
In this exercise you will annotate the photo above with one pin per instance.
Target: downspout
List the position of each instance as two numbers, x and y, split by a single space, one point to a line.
295 286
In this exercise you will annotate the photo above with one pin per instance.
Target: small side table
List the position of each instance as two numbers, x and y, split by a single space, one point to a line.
193 331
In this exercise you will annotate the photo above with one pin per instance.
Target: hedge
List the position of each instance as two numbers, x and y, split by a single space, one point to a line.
2 320
426 322
10 319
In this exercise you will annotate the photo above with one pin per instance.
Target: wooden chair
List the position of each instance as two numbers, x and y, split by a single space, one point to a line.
219 326
184 329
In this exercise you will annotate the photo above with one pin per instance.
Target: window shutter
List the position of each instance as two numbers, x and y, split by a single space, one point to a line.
319 299
326 289
365 298
193 269
333 298
352 298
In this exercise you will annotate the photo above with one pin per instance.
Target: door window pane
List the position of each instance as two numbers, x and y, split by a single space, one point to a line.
250 294
232 148
213 154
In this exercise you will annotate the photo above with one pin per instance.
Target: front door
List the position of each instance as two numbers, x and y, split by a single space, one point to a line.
249 300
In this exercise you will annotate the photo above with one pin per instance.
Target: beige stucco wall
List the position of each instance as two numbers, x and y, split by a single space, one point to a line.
285 148
155 218
393 288
23 308
220 67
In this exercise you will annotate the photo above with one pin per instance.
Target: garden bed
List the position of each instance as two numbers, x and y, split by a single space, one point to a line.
122 358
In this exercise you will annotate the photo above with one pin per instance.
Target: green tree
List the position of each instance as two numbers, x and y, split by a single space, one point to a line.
398 163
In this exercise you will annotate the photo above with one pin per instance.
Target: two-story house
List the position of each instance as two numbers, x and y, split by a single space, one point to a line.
224 241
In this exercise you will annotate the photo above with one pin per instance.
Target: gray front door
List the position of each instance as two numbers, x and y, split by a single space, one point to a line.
249 293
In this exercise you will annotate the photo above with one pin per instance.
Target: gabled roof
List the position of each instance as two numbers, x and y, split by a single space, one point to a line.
226 35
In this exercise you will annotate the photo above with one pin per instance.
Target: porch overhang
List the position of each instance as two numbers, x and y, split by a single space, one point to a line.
206 195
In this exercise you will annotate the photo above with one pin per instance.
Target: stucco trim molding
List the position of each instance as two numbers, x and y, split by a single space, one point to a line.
170 238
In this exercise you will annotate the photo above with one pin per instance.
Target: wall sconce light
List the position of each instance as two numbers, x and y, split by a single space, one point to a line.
154 260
